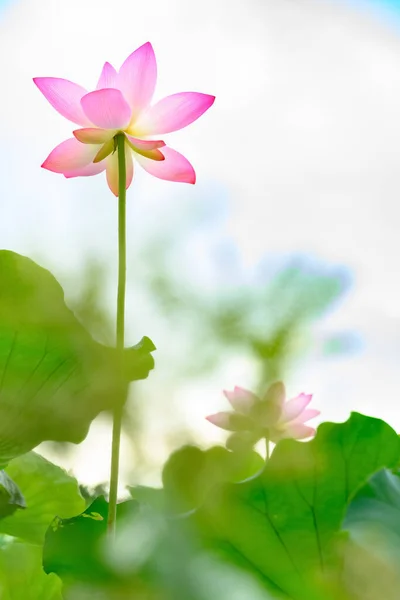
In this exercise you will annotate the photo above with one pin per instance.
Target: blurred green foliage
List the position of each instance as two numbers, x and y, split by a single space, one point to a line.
278 533
268 318
371 569
224 525
269 323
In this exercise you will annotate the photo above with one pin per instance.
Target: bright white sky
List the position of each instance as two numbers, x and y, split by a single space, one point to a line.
303 139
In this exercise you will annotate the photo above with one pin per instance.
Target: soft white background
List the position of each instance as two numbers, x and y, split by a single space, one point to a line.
303 141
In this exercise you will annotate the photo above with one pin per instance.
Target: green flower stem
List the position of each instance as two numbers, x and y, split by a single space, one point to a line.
117 416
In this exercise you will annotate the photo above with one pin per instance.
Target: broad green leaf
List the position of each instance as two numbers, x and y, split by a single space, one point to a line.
22 576
54 377
48 491
190 473
73 547
11 497
283 524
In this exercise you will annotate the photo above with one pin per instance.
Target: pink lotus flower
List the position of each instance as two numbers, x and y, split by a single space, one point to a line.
122 103
270 417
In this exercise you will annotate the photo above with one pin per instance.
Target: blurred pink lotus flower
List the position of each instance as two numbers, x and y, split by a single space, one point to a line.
270 417
122 103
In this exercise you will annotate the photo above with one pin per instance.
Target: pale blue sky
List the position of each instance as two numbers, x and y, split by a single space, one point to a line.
393 3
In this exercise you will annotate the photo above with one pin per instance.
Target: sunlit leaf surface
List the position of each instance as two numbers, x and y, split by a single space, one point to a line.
48 491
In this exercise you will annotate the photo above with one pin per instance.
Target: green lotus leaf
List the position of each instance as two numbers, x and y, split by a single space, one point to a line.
48 491
54 377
